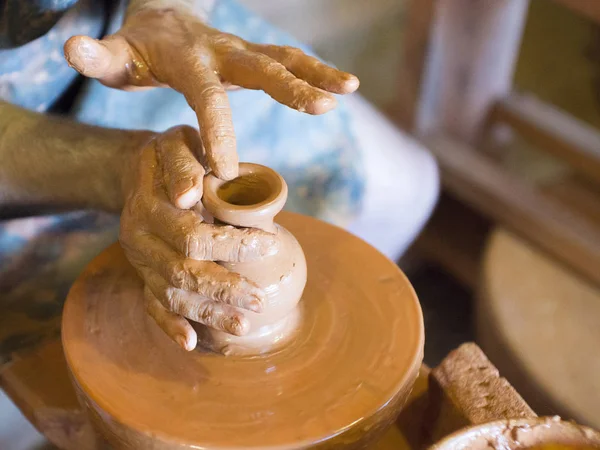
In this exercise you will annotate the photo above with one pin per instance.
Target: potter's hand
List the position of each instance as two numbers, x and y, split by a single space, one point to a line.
172 249
176 49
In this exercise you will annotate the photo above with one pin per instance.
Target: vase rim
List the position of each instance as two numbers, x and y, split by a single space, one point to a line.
246 215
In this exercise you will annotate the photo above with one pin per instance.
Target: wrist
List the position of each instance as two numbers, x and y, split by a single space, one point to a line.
56 163
126 162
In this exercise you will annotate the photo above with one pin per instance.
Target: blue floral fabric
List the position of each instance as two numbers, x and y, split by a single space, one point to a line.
35 75
40 257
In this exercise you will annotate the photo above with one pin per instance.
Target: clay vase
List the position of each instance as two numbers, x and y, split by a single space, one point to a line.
544 433
253 199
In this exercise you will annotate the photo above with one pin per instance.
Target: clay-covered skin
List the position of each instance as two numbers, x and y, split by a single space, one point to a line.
50 163
154 180
172 249
174 47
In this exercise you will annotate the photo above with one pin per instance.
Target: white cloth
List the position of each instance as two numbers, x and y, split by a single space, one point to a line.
402 182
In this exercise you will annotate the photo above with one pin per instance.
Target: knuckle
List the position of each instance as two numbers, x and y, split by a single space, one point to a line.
213 95
293 51
176 135
200 244
206 313
177 272
193 245
177 132
173 300
202 312
181 164
230 41
139 202
222 293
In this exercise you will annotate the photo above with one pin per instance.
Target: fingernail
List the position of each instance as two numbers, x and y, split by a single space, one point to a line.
88 48
351 84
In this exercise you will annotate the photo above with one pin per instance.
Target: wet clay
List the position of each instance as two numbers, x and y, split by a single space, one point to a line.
252 200
338 384
548 433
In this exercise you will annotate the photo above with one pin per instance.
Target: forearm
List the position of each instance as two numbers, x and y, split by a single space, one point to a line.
199 8
52 162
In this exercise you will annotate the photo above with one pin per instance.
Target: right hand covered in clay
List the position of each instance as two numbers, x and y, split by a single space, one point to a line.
163 45
173 249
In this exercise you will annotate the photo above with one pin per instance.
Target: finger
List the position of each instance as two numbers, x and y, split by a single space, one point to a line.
309 68
112 60
186 233
257 71
206 95
174 325
214 315
205 278
182 172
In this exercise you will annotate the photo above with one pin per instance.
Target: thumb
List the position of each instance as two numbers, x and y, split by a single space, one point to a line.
108 60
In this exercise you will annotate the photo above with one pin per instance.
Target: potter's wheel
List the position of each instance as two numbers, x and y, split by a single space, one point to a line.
341 381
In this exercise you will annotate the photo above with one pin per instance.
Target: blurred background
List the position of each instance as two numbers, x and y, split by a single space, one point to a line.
361 37
506 95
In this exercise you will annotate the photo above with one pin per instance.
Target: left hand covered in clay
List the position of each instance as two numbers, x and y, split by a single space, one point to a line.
173 249
170 47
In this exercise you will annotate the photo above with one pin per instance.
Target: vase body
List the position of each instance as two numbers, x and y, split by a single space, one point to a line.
252 200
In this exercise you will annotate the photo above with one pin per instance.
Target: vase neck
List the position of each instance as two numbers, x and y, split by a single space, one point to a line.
252 200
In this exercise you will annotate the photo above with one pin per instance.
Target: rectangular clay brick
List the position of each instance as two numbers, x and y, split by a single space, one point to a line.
467 389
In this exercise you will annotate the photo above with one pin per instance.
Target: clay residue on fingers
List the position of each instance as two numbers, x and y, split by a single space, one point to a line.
253 70
310 68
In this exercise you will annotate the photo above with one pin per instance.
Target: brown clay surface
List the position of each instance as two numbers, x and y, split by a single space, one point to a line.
466 389
356 357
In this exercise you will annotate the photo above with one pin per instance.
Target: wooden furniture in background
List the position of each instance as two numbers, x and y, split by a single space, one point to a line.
540 321
456 82
537 239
